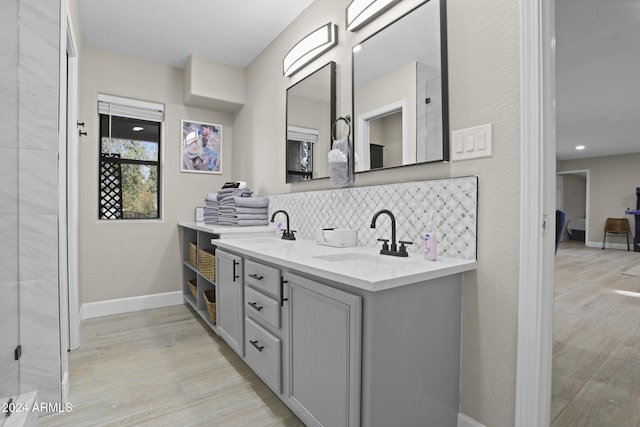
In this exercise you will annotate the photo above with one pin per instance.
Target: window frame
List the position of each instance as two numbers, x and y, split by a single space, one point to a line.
156 111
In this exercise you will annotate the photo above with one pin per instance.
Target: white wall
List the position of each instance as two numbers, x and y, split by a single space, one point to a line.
394 87
310 114
483 40
121 259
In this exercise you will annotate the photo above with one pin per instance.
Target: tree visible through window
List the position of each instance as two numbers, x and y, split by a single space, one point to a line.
129 168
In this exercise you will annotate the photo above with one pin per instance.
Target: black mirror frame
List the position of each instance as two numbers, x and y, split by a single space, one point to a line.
444 89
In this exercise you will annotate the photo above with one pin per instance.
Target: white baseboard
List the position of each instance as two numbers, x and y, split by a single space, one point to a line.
127 305
464 421
621 246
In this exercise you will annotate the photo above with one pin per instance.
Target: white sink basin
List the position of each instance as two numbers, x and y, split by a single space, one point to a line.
359 257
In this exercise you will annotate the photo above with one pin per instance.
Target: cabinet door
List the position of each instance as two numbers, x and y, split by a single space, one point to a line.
324 353
229 300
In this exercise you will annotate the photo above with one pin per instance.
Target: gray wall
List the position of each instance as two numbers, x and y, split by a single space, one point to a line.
29 85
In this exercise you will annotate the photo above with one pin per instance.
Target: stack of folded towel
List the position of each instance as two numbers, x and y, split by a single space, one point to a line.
211 208
238 207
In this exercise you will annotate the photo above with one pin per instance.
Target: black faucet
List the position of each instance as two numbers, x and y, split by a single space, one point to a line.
393 250
288 234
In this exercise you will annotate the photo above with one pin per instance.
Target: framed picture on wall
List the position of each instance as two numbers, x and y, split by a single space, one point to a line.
201 147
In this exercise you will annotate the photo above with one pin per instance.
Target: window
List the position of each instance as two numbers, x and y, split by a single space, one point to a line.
129 172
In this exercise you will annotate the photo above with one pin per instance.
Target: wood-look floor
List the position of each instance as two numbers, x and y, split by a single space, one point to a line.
163 367
596 354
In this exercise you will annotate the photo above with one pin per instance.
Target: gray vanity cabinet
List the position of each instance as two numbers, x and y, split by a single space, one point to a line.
230 299
324 353
265 334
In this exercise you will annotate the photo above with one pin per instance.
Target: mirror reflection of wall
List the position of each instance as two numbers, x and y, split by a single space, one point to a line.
399 72
310 115
300 143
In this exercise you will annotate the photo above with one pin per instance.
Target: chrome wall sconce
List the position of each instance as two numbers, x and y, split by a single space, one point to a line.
359 12
309 48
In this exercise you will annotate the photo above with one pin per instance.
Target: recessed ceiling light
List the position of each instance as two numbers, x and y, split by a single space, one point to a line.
579 147
137 128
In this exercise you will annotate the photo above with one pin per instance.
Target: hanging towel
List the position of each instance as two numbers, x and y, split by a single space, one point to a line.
341 163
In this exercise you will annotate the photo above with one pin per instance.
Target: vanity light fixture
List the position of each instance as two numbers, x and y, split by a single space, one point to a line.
138 129
359 12
580 147
309 48
357 48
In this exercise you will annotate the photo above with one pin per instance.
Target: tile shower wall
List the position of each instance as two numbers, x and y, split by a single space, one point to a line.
29 85
452 203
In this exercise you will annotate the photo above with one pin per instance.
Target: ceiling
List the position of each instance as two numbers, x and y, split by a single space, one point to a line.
597 77
232 32
597 63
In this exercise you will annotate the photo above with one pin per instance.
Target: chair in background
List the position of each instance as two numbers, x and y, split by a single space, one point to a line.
561 221
616 226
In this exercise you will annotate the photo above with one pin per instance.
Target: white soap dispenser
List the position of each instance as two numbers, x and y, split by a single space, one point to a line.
430 242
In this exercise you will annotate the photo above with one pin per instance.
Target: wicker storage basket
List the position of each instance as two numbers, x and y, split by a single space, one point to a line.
193 287
210 300
193 254
207 263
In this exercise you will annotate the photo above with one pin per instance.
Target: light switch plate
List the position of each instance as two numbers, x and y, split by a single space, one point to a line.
472 143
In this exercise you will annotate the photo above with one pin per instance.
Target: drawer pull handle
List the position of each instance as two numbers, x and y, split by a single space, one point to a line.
255 305
235 275
255 344
255 276
282 298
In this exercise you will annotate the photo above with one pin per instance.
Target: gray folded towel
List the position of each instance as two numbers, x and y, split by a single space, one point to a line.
230 192
251 202
243 216
233 209
211 197
243 222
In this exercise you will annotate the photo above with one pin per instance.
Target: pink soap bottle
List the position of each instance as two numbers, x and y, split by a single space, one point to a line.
430 243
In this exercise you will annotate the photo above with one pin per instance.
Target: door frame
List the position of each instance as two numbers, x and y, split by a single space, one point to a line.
68 193
537 213
586 172
363 138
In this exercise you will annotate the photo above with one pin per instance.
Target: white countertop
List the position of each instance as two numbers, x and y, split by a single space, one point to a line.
360 267
229 230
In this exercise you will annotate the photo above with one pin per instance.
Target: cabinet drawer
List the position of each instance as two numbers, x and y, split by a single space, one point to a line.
260 306
264 354
263 277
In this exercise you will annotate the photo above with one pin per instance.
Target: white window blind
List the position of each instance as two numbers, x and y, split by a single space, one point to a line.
132 108
297 133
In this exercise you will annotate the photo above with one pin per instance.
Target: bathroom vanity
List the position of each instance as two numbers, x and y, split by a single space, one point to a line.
343 336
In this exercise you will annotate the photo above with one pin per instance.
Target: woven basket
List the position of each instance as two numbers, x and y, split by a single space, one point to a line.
210 300
193 251
193 287
207 263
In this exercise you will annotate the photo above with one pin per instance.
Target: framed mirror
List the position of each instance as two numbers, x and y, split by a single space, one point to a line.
400 105
311 111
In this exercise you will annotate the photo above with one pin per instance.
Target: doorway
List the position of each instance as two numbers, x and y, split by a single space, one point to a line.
382 137
572 197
